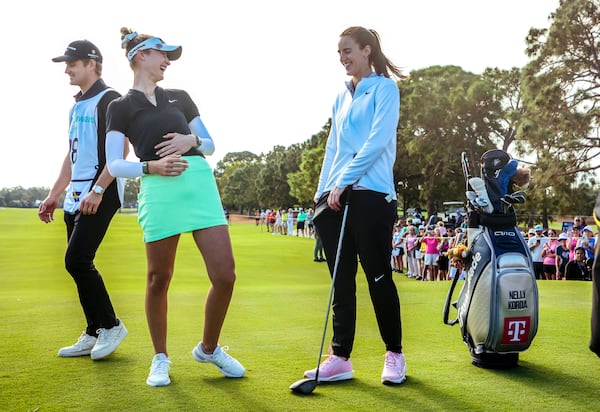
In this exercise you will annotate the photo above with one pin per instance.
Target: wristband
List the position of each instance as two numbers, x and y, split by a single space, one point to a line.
145 169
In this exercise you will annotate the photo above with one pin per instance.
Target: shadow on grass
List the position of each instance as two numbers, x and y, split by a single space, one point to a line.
552 382
527 381
413 394
226 394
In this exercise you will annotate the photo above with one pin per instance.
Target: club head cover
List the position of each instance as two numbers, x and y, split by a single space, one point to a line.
492 163
506 174
493 160
478 186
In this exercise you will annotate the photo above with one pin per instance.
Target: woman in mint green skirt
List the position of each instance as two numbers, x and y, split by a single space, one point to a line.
178 194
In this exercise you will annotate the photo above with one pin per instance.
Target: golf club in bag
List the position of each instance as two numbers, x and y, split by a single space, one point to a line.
307 385
498 304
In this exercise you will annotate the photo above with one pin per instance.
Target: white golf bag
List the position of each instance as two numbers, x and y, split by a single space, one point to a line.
498 303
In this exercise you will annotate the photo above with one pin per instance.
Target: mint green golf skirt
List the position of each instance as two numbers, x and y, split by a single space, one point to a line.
170 205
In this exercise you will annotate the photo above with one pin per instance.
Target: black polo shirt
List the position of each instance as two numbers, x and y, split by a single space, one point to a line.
145 124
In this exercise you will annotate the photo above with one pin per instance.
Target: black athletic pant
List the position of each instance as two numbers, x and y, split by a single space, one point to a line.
368 237
595 338
84 235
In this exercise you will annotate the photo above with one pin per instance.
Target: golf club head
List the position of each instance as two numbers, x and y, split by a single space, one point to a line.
304 386
519 195
514 198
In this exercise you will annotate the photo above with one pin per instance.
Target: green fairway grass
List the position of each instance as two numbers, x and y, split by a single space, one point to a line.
273 327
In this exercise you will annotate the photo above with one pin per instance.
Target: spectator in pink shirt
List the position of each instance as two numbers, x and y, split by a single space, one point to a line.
549 255
431 254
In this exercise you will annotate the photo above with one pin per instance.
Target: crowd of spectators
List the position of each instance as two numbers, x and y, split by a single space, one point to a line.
290 222
420 247
567 255
421 250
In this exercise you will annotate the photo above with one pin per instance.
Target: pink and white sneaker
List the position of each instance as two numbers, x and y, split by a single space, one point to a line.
394 368
334 368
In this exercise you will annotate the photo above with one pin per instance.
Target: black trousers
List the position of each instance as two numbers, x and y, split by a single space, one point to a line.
84 235
595 338
368 237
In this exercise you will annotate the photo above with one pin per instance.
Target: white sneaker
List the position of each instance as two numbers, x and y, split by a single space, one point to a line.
159 371
108 340
227 365
83 347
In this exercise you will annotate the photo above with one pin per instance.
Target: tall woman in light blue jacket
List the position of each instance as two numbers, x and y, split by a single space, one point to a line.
359 160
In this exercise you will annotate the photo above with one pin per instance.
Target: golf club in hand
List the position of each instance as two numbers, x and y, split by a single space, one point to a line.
307 385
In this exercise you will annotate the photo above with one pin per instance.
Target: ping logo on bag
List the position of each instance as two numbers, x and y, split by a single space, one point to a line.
516 330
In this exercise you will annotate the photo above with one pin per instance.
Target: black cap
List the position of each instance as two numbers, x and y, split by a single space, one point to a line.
80 50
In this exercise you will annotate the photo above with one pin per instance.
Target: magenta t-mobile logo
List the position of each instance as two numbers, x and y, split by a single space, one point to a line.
516 330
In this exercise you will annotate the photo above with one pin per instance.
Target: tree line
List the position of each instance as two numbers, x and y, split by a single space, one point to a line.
544 114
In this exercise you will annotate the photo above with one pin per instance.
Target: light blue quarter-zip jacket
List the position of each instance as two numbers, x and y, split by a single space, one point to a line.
361 147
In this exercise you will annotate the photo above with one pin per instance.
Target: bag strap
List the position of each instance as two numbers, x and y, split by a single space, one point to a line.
448 299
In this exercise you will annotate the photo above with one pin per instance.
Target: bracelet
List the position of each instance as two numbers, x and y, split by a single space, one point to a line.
145 169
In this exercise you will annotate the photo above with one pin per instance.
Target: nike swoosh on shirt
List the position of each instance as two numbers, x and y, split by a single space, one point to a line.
172 101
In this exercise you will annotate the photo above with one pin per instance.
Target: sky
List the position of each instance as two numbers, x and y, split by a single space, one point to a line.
262 73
